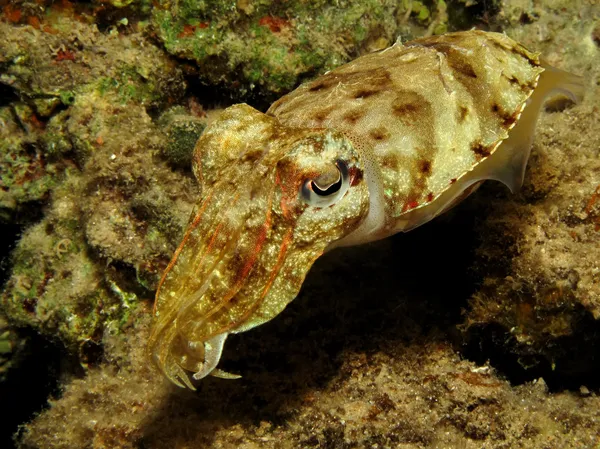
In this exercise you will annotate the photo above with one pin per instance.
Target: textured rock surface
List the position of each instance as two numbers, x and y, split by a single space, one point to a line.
340 372
540 250
110 215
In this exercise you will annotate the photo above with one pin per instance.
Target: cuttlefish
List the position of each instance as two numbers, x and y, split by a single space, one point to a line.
378 146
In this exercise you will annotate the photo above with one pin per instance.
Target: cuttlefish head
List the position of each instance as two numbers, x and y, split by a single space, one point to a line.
274 199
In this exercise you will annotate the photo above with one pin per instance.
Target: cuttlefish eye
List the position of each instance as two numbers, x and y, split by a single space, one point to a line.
328 187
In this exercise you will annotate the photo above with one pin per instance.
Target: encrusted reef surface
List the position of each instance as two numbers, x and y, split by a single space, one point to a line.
538 304
479 330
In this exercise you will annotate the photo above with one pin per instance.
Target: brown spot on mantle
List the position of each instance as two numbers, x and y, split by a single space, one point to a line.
410 107
354 116
379 134
425 166
480 150
365 93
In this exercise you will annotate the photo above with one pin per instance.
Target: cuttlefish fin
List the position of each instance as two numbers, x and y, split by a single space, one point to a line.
509 162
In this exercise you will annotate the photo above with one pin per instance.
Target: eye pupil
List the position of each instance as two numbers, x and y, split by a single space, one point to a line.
329 190
326 189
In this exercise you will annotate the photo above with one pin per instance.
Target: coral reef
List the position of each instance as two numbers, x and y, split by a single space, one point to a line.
387 345
344 372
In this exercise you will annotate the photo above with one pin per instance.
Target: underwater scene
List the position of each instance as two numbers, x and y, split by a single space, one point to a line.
266 224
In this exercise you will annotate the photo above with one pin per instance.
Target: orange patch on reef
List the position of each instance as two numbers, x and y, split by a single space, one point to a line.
590 206
275 24
35 121
48 29
592 201
478 379
34 22
12 13
65 55
189 30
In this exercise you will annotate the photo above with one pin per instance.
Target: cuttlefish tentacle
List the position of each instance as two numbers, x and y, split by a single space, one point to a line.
171 350
208 304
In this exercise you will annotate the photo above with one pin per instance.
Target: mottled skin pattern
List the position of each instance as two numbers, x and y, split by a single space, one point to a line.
429 110
380 145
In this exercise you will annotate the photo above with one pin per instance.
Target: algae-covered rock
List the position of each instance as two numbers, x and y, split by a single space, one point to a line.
28 175
58 76
73 57
183 130
115 209
108 231
270 46
349 372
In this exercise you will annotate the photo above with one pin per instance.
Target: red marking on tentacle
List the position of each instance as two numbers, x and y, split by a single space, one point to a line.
280 259
65 55
245 271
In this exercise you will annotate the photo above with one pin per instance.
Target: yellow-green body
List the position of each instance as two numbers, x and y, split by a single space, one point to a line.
380 145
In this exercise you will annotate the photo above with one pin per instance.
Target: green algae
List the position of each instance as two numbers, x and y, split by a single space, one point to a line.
182 130
269 46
